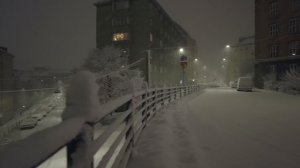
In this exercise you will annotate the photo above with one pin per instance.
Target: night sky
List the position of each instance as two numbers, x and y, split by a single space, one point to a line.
60 33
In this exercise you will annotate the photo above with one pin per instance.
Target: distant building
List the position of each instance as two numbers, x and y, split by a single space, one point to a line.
241 59
6 69
40 77
277 27
138 26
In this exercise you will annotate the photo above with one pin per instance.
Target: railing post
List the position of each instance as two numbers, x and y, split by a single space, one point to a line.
78 150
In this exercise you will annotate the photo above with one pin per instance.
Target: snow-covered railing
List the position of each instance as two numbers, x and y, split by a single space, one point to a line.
93 141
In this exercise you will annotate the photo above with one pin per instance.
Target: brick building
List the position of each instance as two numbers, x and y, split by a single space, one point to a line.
277 26
138 26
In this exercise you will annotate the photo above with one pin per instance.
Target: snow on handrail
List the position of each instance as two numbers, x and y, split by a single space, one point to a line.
35 149
78 134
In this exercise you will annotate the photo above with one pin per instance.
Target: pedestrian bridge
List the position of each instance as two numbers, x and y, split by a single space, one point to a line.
97 136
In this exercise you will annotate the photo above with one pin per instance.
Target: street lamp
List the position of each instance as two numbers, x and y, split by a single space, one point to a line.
224 59
181 50
227 46
196 60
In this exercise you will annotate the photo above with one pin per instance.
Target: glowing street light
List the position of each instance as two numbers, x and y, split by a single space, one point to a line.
181 50
224 59
227 46
196 60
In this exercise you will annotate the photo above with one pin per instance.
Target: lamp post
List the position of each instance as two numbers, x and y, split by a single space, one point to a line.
183 64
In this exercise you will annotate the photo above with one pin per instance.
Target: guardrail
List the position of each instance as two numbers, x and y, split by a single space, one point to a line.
93 141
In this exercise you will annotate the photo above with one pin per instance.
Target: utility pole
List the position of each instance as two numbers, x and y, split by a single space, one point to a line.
148 68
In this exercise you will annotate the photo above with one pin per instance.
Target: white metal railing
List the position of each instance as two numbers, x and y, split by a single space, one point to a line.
92 142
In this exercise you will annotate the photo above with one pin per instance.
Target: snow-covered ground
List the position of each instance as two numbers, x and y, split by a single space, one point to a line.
223 128
53 105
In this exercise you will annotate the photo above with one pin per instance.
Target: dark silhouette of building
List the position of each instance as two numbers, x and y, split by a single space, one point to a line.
277 48
140 27
6 69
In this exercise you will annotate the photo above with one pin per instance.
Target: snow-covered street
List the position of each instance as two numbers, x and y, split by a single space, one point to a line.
53 105
223 128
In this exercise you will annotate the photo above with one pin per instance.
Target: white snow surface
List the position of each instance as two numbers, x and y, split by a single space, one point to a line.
223 128
39 146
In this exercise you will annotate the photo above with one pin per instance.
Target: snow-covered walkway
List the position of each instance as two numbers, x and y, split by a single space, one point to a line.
223 128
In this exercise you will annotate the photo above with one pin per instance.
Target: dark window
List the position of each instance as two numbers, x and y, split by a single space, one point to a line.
294 25
294 48
120 21
274 30
273 68
275 50
295 4
121 4
274 8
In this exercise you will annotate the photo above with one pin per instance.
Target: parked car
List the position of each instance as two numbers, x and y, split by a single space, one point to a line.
28 123
38 116
233 84
245 84
57 91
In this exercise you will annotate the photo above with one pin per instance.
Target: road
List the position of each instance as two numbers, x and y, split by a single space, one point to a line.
223 128
54 105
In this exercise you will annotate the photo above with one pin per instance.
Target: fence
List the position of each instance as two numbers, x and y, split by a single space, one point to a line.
94 141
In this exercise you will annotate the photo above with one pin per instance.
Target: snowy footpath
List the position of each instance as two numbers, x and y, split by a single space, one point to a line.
223 128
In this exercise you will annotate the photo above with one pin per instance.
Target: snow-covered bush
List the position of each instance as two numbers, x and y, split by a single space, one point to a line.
114 79
291 81
270 81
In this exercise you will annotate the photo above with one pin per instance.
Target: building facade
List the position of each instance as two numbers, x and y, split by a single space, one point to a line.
241 59
141 28
277 26
6 69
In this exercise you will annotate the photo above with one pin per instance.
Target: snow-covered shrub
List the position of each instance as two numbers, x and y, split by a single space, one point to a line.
291 81
270 82
114 79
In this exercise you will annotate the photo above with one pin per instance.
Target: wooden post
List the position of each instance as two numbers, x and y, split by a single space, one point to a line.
79 149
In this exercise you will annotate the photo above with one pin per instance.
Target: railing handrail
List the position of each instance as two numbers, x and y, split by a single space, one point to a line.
79 134
35 149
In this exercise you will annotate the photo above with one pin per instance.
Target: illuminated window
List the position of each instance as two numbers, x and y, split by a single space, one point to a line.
120 36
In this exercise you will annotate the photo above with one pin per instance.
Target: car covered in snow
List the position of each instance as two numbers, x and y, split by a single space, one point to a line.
245 84
28 123
38 116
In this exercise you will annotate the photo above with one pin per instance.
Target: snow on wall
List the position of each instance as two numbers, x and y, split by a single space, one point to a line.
36 148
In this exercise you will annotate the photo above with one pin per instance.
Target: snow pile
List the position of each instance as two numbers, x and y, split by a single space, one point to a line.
270 82
289 82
